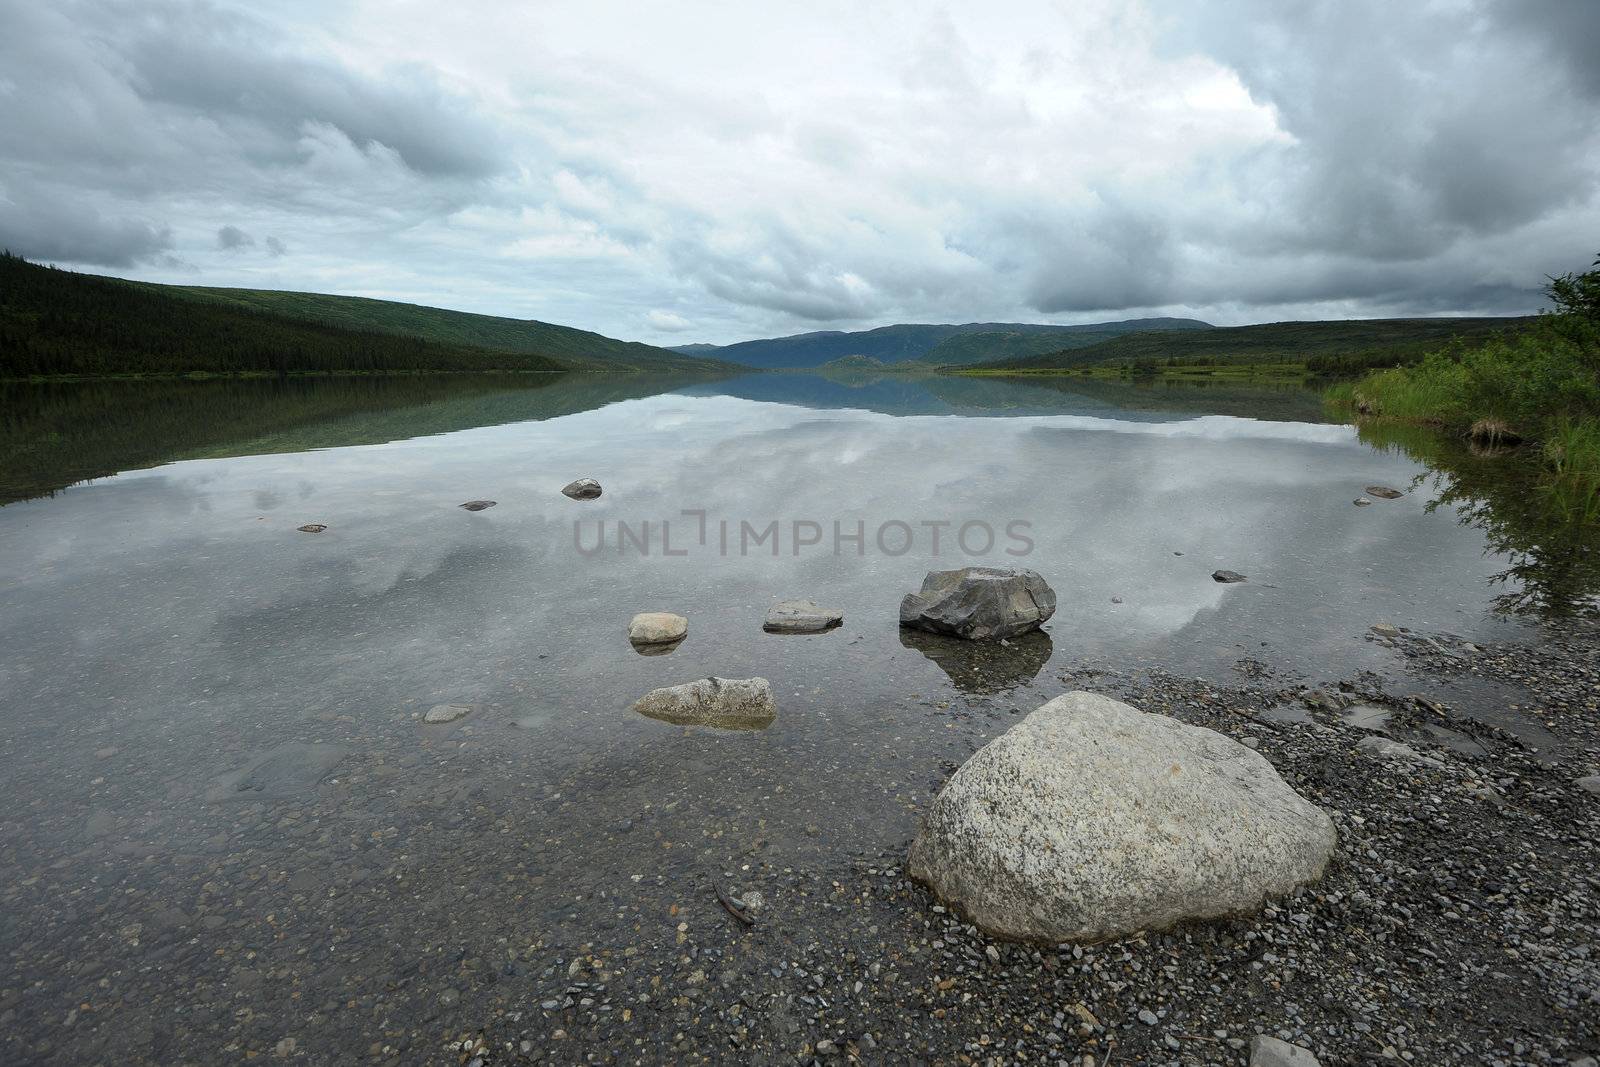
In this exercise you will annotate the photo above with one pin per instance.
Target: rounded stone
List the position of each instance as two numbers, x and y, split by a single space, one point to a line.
1091 820
657 628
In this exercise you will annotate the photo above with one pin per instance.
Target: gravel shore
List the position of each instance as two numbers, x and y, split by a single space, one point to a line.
1457 924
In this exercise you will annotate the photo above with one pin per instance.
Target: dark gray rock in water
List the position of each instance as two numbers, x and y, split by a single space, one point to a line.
478 505
1361 502
979 603
1384 491
312 527
1228 576
582 489
800 617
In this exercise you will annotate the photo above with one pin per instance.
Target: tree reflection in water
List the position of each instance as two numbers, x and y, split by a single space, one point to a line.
1548 530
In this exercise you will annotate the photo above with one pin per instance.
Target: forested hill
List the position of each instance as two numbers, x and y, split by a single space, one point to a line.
1330 347
579 348
58 322
930 343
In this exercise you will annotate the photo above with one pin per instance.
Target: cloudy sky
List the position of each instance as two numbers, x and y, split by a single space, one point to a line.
713 170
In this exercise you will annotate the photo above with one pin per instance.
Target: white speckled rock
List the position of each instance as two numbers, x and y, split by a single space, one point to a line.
1091 819
729 703
657 628
1270 1052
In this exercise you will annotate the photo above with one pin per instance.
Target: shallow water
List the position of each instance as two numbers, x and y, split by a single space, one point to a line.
211 722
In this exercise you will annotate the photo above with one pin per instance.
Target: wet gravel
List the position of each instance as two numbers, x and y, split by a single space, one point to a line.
1457 925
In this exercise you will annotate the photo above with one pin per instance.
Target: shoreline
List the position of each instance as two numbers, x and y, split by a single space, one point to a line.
1455 925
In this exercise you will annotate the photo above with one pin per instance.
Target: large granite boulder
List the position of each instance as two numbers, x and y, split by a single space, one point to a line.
979 603
800 617
1090 820
729 703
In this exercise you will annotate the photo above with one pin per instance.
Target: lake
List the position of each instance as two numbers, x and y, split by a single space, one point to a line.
227 810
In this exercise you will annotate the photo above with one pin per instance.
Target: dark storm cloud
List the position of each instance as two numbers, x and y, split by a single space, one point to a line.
41 226
231 239
114 108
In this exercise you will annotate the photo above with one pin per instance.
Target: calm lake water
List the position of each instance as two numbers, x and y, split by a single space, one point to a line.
226 809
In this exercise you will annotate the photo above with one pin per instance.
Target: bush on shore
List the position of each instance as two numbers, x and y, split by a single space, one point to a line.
1541 385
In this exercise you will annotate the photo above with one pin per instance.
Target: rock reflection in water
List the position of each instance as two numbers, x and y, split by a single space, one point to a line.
984 666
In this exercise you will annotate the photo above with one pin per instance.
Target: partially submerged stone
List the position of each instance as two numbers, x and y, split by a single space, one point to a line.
312 527
478 505
1362 502
657 628
1090 820
443 713
1228 577
979 603
582 489
800 617
1384 491
728 703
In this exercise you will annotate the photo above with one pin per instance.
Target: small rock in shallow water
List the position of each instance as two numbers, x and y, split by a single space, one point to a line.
800 617
1385 629
582 489
1362 502
657 628
312 527
728 703
441 713
1384 491
1270 1052
478 505
1228 577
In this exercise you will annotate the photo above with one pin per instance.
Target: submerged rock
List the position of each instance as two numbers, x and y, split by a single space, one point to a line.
478 505
1384 491
728 703
1090 820
979 603
442 713
312 527
800 617
283 770
1228 577
657 628
582 489
1362 502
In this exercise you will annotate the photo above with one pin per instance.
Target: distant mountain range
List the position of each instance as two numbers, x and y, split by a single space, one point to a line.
1329 347
936 345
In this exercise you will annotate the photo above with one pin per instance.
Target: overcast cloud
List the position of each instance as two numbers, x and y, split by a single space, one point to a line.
717 171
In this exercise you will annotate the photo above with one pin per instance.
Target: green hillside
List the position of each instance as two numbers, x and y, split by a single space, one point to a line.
1338 346
577 348
61 323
